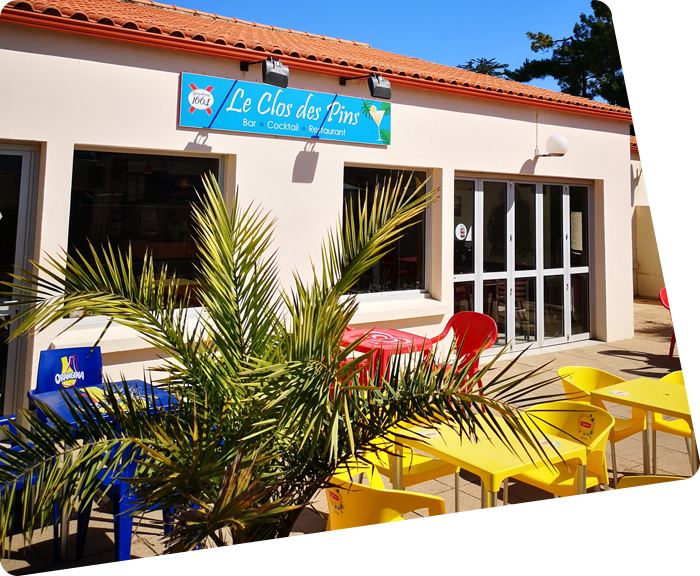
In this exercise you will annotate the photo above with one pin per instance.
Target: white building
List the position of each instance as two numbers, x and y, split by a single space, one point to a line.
94 144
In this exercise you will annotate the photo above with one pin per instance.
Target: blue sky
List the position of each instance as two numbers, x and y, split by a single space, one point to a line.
444 32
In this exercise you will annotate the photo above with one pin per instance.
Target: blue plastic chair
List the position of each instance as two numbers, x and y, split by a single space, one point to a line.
79 367
7 422
122 503
67 368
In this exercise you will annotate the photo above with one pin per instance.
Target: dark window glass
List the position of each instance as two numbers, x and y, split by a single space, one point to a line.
403 267
553 306
495 212
524 226
142 200
553 226
10 175
578 200
525 312
464 227
580 311
496 305
464 297
691 232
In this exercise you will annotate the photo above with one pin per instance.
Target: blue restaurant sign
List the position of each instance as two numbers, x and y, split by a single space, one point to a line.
233 105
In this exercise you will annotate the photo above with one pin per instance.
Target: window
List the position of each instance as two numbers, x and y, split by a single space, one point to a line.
403 268
142 200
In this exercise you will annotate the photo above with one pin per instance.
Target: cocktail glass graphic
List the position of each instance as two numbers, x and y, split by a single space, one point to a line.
377 116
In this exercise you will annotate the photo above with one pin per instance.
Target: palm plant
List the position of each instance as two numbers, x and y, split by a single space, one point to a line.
269 403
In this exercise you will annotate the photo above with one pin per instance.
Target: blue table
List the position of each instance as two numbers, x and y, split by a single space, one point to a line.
56 400
139 389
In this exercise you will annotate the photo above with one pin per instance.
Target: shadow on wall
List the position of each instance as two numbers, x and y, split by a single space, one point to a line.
305 165
528 167
636 177
199 144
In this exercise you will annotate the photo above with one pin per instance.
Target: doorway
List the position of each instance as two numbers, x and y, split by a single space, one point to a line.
521 256
17 213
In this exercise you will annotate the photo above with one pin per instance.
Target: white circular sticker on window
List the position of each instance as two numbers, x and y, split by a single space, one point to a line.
461 232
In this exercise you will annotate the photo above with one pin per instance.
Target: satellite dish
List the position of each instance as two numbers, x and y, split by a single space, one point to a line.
657 159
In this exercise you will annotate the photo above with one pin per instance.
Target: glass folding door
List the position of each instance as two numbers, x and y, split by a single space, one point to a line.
521 257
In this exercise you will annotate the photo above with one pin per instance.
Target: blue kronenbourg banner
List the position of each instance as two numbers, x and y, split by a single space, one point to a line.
211 103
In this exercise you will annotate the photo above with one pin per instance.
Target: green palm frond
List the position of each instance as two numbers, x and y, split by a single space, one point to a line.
268 403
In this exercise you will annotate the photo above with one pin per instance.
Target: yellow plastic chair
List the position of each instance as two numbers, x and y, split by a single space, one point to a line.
417 468
580 381
365 523
676 427
588 424
635 541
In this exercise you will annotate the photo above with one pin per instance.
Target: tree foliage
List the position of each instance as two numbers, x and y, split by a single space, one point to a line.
640 54
484 66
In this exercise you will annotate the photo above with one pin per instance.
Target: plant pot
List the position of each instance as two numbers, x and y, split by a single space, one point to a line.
304 559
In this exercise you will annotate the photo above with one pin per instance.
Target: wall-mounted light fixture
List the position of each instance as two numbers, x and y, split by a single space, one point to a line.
556 145
379 87
273 71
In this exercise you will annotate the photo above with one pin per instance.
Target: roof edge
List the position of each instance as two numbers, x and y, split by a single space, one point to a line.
144 38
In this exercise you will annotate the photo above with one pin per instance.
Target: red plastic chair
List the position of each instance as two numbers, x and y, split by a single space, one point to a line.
472 330
692 309
674 301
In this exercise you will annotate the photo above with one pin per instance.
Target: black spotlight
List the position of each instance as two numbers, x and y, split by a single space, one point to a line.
379 87
273 72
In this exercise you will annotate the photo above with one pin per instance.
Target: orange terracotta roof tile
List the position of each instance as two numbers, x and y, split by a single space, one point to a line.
152 23
641 144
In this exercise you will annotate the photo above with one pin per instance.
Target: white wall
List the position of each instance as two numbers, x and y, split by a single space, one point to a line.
73 92
647 190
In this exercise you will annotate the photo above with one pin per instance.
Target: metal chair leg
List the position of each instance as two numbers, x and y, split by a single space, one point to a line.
482 529
614 465
557 505
505 513
673 343
458 515
653 452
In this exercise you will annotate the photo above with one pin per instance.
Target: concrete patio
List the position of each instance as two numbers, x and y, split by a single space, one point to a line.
644 355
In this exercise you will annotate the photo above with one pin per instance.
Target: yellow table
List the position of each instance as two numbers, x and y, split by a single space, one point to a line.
492 461
655 396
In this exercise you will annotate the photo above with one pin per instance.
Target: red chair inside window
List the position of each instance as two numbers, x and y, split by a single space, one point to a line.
472 330
692 308
674 301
